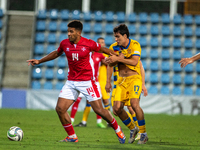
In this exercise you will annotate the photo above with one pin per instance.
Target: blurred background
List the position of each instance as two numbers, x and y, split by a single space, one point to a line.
167 30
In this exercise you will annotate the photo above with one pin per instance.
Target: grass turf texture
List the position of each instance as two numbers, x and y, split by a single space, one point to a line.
43 130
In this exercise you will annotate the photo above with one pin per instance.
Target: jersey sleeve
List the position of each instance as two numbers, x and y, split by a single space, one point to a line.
136 50
60 50
94 46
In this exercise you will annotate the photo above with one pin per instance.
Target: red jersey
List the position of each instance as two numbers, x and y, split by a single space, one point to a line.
97 58
79 58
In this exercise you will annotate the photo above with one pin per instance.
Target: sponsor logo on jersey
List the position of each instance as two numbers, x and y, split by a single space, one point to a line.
136 52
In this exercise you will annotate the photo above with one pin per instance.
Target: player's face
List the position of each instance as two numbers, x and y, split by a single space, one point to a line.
73 34
120 39
102 42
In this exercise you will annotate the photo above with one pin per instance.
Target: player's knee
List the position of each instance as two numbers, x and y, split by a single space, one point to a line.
117 110
59 110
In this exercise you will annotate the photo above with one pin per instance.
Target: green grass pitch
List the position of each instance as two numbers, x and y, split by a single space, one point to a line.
43 130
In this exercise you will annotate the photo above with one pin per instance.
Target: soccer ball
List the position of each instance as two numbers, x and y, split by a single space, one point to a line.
15 134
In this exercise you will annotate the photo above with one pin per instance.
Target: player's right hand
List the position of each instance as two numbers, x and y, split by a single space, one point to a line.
33 62
108 87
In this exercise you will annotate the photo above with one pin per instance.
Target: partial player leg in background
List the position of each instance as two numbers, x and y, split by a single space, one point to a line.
74 109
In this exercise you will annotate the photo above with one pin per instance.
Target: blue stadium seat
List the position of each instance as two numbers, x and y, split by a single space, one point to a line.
87 16
197 20
86 36
197 32
188 79
197 44
59 85
109 16
61 74
64 14
165 30
153 90
1 24
49 74
143 41
1 13
165 78
154 42
41 25
39 49
42 14
98 16
188 91
177 31
50 48
51 38
188 19
52 26
165 66
154 66
53 14
188 32
165 42
48 85
165 90
177 20
177 67
109 40
197 91
143 30
177 79
132 29
153 78
109 28
177 55
120 16
154 54
143 53
143 17
97 28
165 18
132 17
86 27
189 68
40 37
154 18
165 54
36 73
197 67
177 90
35 85
188 43
63 27
76 14
187 54
154 30
62 36
62 62
197 81
177 43
50 63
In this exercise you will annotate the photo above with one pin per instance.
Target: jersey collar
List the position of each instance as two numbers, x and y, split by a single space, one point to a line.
127 45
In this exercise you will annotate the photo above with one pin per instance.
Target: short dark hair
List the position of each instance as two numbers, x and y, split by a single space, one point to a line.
75 24
100 38
122 29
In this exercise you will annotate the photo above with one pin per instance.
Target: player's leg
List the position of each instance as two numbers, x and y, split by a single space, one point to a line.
74 109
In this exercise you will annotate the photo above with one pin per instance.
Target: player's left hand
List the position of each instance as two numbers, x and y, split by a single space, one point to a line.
112 59
144 90
185 61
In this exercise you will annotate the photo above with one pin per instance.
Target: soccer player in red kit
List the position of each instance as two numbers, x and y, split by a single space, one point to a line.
81 79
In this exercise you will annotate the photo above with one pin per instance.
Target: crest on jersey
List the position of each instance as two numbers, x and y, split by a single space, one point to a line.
129 51
83 48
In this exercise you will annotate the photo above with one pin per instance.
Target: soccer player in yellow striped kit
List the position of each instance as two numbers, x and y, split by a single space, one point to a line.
129 81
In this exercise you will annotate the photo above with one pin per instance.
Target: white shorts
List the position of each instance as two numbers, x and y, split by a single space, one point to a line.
72 89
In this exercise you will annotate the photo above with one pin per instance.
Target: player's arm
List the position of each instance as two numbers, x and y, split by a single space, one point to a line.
108 86
185 61
144 89
107 51
50 56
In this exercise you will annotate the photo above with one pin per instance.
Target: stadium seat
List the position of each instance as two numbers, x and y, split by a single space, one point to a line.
40 25
154 18
120 16
64 14
197 81
62 62
143 41
36 73
188 43
39 49
153 78
143 53
165 78
109 16
51 38
40 37
76 15
53 14
177 20
165 42
177 55
86 27
109 40
165 18
50 63
197 32
42 14
197 91
49 74
197 44
52 26
154 66
154 54
177 31
177 79
154 42
35 85
189 68
188 91
97 28
154 30
177 90
165 30
153 90
61 75
165 66
109 28
197 20
86 36
132 17
197 67
62 36
165 90
48 85
98 16
188 32
176 66
187 54
177 43
165 54
59 85
188 79
1 13
188 19
132 29
87 16
143 17
143 30
50 48
63 27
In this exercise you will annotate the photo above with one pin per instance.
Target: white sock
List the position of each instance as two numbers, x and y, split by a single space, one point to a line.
118 129
99 121
84 122
73 136
72 119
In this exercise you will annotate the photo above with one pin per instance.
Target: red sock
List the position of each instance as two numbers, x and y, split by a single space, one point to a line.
114 124
98 117
69 129
75 107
